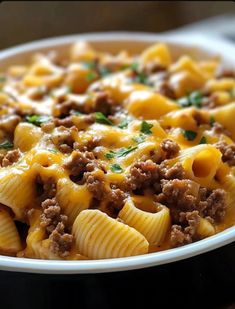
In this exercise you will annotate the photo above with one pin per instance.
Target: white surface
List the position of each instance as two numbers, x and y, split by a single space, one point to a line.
227 50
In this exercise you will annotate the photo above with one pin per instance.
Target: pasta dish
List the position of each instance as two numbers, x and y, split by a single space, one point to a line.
108 156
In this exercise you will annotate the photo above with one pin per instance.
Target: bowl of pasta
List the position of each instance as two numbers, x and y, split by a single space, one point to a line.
117 151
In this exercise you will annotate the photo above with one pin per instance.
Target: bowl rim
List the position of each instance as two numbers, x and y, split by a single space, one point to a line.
226 49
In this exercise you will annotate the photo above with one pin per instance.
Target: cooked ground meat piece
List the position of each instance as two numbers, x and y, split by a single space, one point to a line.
88 145
179 194
200 117
64 107
95 184
219 129
143 175
170 148
104 104
81 162
222 73
210 101
165 89
174 172
153 67
216 206
64 139
182 235
115 197
45 189
228 152
54 223
66 122
51 215
61 242
11 157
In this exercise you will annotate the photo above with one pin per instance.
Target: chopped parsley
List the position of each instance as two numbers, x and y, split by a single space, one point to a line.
124 123
101 118
122 152
89 64
189 135
104 71
37 120
203 140
145 127
53 150
212 121
91 76
6 145
116 168
134 66
193 99
139 139
141 78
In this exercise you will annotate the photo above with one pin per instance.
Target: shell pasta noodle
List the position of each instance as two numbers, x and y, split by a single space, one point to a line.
98 236
114 155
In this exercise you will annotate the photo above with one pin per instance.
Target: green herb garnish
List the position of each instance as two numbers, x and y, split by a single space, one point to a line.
189 135
116 168
134 66
122 152
6 145
37 120
53 150
141 78
145 127
91 65
203 140
212 121
123 124
101 118
139 139
193 99
91 76
104 71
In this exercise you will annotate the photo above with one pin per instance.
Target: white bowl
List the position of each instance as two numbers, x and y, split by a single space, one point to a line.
114 42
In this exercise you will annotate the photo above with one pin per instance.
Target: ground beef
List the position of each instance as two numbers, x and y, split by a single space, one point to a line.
181 235
51 215
165 89
87 145
64 108
219 129
64 139
153 67
215 205
60 242
142 175
228 152
179 195
11 157
66 122
223 73
115 197
104 104
45 189
174 172
200 117
54 223
170 148
95 184
81 162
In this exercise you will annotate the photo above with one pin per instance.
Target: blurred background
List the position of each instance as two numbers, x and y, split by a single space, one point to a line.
23 21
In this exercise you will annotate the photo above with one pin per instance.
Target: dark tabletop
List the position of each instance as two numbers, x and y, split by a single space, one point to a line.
205 281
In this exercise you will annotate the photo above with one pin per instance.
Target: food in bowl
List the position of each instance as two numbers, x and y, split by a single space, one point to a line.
107 156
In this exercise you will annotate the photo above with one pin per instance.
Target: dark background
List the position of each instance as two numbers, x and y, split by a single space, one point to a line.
22 21
206 281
